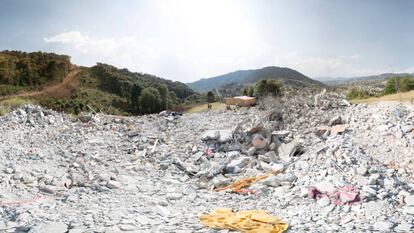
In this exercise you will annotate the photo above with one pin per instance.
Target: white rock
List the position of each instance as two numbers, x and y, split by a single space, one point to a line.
56 227
163 211
272 168
362 170
127 227
51 189
264 158
408 210
272 156
404 227
287 177
240 162
324 201
174 196
225 136
369 191
281 133
325 186
113 184
198 156
272 181
251 151
383 226
409 200
77 230
9 170
389 183
143 220
210 135
335 121
287 150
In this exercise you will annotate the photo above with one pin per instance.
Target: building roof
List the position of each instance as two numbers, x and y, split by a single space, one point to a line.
244 97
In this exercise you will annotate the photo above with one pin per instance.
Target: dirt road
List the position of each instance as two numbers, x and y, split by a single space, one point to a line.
60 90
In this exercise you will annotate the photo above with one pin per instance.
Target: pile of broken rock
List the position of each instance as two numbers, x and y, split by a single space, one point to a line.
323 167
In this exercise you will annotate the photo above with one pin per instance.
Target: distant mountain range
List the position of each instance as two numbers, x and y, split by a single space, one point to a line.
287 76
333 81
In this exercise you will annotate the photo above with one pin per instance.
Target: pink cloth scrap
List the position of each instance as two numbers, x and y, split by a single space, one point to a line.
340 196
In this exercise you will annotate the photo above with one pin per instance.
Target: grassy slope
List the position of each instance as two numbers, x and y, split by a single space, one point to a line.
9 104
402 97
84 94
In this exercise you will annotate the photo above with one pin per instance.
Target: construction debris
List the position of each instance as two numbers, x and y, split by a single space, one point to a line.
157 173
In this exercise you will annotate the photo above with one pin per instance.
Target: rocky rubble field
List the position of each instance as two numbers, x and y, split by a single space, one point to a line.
329 167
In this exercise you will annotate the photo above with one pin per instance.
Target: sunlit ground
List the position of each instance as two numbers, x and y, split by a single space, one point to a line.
217 106
399 97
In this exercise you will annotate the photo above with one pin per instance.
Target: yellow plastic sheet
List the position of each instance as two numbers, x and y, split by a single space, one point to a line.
248 221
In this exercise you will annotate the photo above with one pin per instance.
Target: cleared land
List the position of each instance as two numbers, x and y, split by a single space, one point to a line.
400 97
60 90
217 106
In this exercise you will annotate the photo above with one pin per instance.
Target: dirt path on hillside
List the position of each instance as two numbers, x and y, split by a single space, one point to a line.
60 90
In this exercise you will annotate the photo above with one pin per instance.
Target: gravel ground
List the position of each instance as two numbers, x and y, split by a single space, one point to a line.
157 173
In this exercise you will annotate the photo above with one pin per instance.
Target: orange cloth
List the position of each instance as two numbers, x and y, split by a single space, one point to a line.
248 221
237 186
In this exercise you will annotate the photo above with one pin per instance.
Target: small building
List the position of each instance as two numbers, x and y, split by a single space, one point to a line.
242 101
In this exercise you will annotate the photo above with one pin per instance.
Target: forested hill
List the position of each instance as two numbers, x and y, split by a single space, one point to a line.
51 80
22 69
287 76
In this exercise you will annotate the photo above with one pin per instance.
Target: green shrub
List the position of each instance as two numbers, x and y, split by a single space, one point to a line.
268 87
9 89
211 97
150 101
396 84
356 93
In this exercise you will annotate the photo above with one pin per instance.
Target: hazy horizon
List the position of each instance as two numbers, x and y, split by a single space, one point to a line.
189 40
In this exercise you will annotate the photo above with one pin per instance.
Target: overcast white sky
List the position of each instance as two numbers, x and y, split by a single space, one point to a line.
187 40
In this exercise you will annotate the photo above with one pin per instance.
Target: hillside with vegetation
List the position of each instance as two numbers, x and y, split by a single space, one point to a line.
288 77
393 85
372 80
27 71
52 81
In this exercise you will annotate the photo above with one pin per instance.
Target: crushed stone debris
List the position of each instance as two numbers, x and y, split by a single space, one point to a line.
158 173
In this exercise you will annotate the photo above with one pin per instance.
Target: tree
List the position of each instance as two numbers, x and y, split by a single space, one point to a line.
163 90
172 100
248 91
395 84
406 83
210 97
134 99
267 87
150 100
192 99
390 86
245 91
